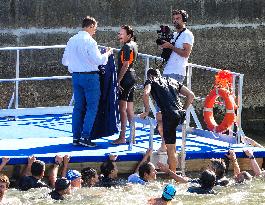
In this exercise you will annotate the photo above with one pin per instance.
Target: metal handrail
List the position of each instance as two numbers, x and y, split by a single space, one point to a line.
15 112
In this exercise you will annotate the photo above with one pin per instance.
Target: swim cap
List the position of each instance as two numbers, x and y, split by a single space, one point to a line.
62 184
73 174
169 192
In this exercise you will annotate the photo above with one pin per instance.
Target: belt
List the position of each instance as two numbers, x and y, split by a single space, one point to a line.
91 72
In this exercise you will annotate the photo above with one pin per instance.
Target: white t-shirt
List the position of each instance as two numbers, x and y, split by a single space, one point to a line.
177 64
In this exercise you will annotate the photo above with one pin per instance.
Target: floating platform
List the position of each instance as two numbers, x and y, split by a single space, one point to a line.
45 136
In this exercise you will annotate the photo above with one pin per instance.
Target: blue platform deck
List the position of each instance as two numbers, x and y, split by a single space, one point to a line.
48 135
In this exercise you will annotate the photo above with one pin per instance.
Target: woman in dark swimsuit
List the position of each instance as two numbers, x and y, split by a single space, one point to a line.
126 78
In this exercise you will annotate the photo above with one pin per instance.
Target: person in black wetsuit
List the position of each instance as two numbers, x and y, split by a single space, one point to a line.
207 182
62 187
126 78
37 169
165 92
109 170
218 167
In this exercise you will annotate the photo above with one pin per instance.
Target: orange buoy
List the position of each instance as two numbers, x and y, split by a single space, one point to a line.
230 105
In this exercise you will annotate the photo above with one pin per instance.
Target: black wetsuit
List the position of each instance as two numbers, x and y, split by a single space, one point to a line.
165 92
56 196
200 190
28 182
129 53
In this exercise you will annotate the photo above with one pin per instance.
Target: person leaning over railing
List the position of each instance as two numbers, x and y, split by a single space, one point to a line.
165 92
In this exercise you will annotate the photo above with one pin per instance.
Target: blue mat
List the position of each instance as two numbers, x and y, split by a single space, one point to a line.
48 135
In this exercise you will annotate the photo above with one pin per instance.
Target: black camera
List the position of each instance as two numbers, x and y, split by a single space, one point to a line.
164 34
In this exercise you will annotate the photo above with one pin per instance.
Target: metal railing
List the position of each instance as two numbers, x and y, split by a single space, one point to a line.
17 111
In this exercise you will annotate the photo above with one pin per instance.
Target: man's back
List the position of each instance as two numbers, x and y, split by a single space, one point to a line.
29 182
165 92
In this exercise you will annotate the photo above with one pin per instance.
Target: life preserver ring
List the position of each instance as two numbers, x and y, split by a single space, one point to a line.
230 105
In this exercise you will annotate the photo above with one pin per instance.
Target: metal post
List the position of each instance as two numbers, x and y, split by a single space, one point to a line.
132 135
146 68
11 100
189 74
17 82
151 134
239 109
233 93
183 147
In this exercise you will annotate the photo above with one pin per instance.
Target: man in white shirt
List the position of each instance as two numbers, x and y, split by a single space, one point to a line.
83 57
183 39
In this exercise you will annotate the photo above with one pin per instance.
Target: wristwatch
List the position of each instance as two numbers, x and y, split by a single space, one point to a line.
251 157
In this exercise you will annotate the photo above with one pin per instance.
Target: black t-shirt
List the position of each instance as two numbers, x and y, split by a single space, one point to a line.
56 196
165 92
28 182
129 53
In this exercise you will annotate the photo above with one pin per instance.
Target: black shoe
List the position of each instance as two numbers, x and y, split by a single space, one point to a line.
76 142
87 142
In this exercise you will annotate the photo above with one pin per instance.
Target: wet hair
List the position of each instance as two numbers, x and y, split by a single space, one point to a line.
207 179
37 168
145 168
87 174
4 179
129 31
88 21
219 167
106 168
153 72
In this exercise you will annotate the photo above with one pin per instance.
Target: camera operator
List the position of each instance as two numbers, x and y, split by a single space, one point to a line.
181 48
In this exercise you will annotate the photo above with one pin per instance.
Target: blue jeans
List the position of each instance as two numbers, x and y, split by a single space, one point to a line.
177 77
86 98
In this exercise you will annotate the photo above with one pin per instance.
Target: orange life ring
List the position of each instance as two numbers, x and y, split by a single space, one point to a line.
230 105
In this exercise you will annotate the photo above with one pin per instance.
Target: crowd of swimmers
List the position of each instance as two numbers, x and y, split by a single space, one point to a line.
64 183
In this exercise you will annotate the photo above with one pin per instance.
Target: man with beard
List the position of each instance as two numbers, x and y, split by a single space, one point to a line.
183 41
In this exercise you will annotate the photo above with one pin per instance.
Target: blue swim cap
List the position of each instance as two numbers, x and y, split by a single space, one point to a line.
73 174
169 192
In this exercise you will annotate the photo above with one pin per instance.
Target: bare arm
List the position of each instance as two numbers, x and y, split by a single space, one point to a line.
173 175
54 172
147 90
145 159
233 159
185 52
254 165
66 160
5 160
27 170
123 71
189 96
